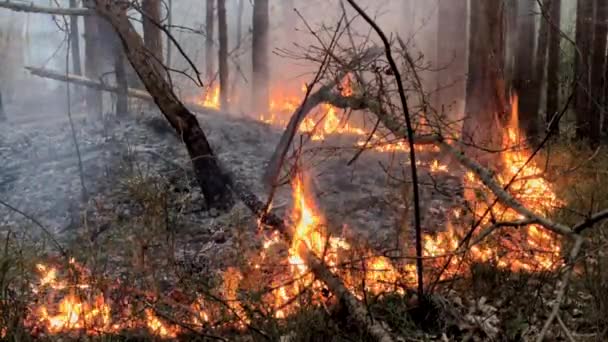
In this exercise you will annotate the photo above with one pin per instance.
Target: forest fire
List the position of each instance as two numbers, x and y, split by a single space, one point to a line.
530 248
325 121
79 306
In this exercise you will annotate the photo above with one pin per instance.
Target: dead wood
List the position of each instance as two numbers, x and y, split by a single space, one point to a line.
87 82
31 8
356 310
323 95
117 89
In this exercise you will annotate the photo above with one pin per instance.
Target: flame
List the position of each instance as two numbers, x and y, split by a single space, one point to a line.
79 306
210 97
157 327
522 249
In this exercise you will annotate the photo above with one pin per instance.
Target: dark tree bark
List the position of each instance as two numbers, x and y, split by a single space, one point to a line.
209 31
151 13
214 184
122 99
239 23
542 47
486 106
553 65
223 52
113 57
598 72
452 56
524 82
511 32
92 48
261 77
75 41
169 23
3 116
584 36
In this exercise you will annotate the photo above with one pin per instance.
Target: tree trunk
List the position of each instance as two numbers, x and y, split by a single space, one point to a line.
598 72
75 41
209 29
92 48
584 33
511 13
223 53
169 23
452 59
541 58
486 106
122 101
261 77
289 19
151 13
525 83
239 23
213 182
3 116
553 65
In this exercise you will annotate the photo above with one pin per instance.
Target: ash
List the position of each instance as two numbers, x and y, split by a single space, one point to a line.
39 175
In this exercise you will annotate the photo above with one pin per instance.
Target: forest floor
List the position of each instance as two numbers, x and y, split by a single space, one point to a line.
143 224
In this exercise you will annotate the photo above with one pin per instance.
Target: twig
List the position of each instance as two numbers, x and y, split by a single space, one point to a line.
563 286
565 329
37 223
410 138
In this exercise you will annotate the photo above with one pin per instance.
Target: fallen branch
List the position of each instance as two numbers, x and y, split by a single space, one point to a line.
93 84
311 101
563 286
31 8
502 195
356 309
86 82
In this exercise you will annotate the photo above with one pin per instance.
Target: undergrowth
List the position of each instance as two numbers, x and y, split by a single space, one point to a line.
143 248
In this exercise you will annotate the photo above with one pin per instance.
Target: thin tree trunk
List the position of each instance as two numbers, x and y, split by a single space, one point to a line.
553 66
3 116
75 41
541 58
525 82
122 102
151 13
486 106
511 13
261 77
239 23
213 183
92 48
169 23
584 33
209 29
453 57
223 52
598 71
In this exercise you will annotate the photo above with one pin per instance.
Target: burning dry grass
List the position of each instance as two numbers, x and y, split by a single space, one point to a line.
272 290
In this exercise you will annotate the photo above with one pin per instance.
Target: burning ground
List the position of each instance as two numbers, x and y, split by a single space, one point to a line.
145 258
